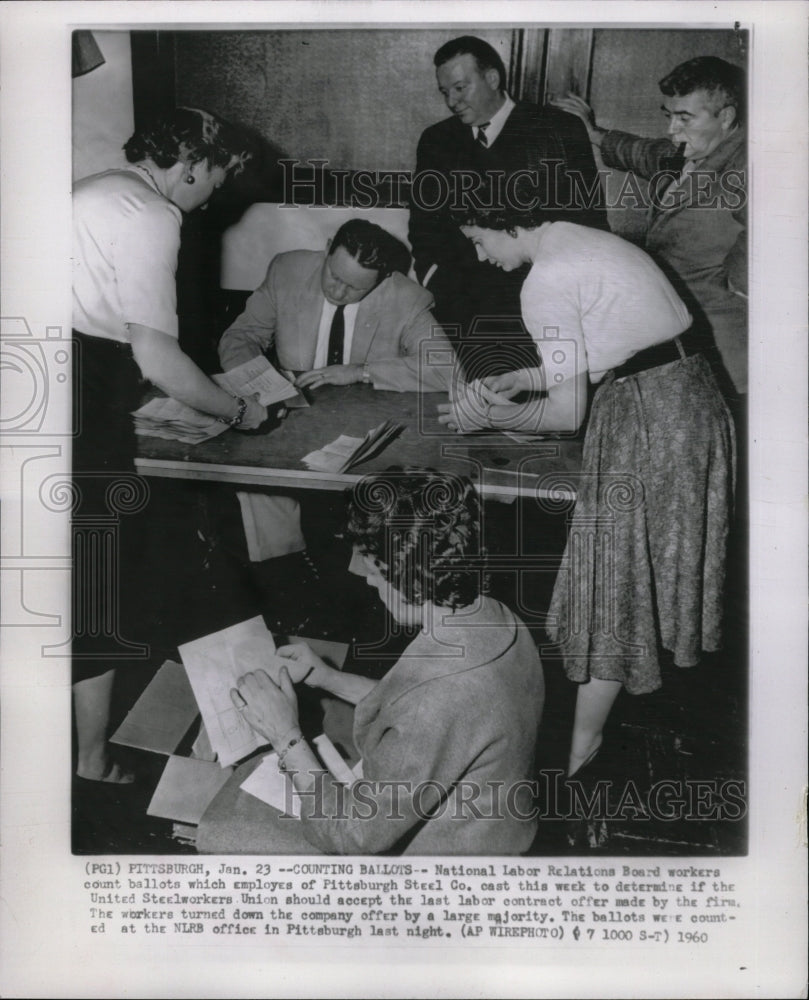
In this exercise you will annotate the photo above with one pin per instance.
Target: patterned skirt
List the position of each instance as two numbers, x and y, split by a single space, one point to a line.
644 566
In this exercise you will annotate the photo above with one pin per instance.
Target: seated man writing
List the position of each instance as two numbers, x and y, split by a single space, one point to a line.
345 315
447 736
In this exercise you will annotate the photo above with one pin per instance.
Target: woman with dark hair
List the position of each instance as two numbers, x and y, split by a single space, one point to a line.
446 737
126 237
644 565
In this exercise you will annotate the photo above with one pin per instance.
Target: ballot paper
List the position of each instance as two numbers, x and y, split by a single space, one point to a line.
165 417
257 377
345 452
214 665
273 786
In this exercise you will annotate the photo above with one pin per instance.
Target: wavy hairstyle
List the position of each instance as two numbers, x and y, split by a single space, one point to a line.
424 528
372 247
189 135
507 218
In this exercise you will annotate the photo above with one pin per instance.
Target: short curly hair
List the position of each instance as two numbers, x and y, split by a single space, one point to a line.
188 135
723 81
425 529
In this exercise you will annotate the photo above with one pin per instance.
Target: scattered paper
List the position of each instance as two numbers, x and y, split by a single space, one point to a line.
162 715
273 786
257 377
214 665
345 452
269 783
164 417
186 789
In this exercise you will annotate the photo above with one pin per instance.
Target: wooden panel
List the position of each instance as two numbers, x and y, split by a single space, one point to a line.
528 64
568 61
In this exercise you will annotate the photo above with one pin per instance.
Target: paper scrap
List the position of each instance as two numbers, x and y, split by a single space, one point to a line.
214 664
257 377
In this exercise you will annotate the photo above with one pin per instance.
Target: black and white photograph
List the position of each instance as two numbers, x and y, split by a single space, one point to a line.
404 437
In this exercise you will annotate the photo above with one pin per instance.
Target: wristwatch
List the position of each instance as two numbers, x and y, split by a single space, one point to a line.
235 421
366 374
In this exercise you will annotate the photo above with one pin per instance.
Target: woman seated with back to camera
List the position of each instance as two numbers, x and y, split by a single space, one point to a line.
447 736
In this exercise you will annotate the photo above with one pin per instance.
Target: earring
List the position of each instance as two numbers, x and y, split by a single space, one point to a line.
189 179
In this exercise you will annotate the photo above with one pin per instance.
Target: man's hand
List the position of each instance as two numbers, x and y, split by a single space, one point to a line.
330 375
271 709
574 105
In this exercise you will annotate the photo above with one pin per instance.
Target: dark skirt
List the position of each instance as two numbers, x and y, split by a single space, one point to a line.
644 566
107 495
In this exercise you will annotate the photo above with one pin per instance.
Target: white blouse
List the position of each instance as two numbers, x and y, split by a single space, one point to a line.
126 237
598 296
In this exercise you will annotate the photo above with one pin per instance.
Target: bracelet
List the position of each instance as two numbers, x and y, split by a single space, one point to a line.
282 756
235 421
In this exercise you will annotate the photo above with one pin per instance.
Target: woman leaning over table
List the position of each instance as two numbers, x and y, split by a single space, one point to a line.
447 736
644 564
126 238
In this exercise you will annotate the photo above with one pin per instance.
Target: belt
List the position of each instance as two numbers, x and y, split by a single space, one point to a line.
660 354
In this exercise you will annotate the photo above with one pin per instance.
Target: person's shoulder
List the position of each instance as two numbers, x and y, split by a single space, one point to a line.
443 130
398 287
296 261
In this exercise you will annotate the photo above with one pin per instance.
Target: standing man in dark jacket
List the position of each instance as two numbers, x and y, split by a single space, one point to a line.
495 152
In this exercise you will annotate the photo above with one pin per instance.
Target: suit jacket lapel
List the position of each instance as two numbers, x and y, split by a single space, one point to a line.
307 319
366 325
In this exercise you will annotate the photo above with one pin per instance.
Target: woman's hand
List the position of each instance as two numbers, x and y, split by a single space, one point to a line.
254 415
271 709
302 664
510 384
468 409
330 375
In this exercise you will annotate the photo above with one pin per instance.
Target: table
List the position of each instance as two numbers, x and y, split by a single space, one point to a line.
499 467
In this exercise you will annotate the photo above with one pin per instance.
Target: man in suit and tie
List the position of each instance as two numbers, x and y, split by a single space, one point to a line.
488 151
345 315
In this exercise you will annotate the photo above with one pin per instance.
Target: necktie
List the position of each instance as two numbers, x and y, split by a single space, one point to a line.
481 137
336 337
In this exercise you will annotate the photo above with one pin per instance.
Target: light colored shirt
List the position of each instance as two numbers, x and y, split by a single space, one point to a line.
324 329
497 123
595 295
126 237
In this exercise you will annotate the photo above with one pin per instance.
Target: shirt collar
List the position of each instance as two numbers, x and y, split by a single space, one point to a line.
496 122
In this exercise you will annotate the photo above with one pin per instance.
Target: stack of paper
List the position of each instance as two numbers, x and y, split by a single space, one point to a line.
345 452
165 417
257 377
